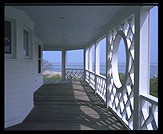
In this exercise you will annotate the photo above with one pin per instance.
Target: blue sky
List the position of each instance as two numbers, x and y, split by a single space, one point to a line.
76 56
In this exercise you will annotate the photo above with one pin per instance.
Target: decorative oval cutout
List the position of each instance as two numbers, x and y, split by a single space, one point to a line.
121 60
120 37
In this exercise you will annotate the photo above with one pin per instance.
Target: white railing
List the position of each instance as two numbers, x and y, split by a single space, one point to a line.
97 82
92 79
122 102
148 112
74 74
101 86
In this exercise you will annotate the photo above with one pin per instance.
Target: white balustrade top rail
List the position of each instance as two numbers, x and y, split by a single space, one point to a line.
149 98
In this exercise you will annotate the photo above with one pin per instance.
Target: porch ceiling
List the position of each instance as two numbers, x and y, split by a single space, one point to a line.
71 27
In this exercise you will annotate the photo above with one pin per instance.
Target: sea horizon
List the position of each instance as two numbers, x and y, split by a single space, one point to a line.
121 68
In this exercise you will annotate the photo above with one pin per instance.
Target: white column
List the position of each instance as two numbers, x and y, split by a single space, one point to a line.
86 59
97 63
141 65
84 63
90 59
89 62
144 60
107 78
97 58
63 64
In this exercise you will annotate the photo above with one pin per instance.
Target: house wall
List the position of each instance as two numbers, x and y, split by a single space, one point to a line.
21 73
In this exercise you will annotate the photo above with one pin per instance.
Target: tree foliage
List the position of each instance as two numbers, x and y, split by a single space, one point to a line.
47 66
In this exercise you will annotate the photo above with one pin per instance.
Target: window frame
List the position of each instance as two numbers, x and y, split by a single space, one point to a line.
12 52
28 44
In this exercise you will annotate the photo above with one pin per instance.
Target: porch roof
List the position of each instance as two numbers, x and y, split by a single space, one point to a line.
72 26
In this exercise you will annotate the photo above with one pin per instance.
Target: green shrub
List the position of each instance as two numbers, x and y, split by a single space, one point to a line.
153 84
154 87
121 77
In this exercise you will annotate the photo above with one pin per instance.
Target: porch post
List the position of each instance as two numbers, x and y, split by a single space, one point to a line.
97 59
97 63
90 59
84 64
141 65
63 64
90 63
107 65
86 58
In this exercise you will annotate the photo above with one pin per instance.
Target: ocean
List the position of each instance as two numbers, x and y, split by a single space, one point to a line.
121 68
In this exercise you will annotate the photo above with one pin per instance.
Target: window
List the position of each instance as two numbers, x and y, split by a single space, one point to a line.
39 58
26 42
7 40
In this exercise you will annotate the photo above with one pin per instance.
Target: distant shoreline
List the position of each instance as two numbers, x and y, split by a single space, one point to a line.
103 64
51 73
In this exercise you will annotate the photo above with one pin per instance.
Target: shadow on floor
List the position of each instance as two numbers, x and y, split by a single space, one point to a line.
70 105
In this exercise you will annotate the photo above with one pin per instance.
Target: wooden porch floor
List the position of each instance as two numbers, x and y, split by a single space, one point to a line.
68 105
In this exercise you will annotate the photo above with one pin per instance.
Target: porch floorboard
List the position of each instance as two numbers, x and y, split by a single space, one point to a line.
69 105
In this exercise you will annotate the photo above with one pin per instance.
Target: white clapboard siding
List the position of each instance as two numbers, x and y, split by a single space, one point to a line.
21 75
18 90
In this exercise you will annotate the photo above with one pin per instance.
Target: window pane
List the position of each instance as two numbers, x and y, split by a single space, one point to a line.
26 42
39 66
7 40
39 51
39 59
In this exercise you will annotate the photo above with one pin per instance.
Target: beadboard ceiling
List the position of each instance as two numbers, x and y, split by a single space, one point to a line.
71 27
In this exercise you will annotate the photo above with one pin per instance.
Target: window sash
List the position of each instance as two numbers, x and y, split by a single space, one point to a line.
8 37
26 42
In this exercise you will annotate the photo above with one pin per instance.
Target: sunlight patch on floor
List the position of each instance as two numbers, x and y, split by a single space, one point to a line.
89 112
83 127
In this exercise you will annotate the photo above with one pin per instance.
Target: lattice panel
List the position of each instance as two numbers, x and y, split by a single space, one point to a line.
122 101
74 74
87 76
92 80
148 115
101 87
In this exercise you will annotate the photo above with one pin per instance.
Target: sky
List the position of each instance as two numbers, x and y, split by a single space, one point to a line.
76 56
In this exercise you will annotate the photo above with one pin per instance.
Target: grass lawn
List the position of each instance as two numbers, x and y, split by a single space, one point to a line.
53 77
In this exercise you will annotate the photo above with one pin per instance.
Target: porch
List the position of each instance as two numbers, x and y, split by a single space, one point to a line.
94 101
69 105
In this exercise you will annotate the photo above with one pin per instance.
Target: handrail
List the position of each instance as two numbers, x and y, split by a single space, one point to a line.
99 75
150 98
73 69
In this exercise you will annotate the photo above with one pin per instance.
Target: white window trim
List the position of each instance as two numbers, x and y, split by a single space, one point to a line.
29 42
12 55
